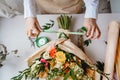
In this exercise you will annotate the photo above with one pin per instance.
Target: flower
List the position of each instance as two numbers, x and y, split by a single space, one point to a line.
66 65
42 75
34 65
46 55
44 61
52 52
60 56
52 63
58 65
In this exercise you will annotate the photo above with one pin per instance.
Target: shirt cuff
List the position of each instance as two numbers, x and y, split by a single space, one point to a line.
29 8
29 15
91 12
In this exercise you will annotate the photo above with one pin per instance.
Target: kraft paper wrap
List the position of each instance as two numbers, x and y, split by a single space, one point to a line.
113 34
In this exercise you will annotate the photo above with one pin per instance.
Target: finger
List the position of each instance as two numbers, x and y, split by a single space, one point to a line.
98 33
36 31
38 26
88 31
92 33
31 34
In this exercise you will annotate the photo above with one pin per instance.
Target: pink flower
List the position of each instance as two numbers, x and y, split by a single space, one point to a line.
44 61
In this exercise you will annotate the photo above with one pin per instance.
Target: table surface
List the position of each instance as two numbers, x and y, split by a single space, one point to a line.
12 35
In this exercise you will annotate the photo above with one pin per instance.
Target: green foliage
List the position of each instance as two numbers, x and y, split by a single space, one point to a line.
54 73
100 65
100 69
83 29
48 25
87 42
25 73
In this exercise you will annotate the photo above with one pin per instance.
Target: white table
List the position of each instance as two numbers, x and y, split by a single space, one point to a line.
12 34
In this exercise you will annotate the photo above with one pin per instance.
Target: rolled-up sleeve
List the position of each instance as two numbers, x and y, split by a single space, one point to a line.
91 8
29 8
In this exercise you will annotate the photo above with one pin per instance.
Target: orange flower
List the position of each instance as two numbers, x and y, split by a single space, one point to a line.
52 52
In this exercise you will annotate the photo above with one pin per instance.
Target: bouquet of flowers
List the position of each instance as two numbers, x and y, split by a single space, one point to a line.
61 59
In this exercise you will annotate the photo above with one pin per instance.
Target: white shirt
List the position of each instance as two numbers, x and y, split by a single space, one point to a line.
91 8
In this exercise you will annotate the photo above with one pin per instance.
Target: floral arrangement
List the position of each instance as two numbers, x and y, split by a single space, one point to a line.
55 63
61 60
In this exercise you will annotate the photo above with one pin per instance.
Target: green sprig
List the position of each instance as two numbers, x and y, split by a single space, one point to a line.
87 42
48 25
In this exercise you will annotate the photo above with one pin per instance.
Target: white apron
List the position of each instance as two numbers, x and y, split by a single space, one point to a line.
59 6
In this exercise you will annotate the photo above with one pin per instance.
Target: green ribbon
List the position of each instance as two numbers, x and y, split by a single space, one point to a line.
53 31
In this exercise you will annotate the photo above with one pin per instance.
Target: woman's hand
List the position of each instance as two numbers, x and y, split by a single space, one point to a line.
93 31
32 27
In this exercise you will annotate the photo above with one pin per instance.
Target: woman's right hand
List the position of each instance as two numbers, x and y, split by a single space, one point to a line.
32 27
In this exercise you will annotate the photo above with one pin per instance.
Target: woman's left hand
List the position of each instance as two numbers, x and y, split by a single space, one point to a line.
93 31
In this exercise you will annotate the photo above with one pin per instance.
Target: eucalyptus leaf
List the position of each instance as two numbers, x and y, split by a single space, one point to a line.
106 42
48 25
73 75
100 65
67 76
87 42
83 29
84 66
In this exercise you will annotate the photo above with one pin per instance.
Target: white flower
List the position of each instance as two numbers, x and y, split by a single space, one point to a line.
58 65
76 68
34 65
37 62
46 55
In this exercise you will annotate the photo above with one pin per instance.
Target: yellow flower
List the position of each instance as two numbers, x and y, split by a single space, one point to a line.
60 56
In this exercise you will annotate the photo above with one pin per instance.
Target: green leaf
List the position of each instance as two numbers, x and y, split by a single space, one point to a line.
69 57
106 42
19 77
84 66
49 66
83 29
48 25
67 76
100 65
87 42
45 27
52 21
72 74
